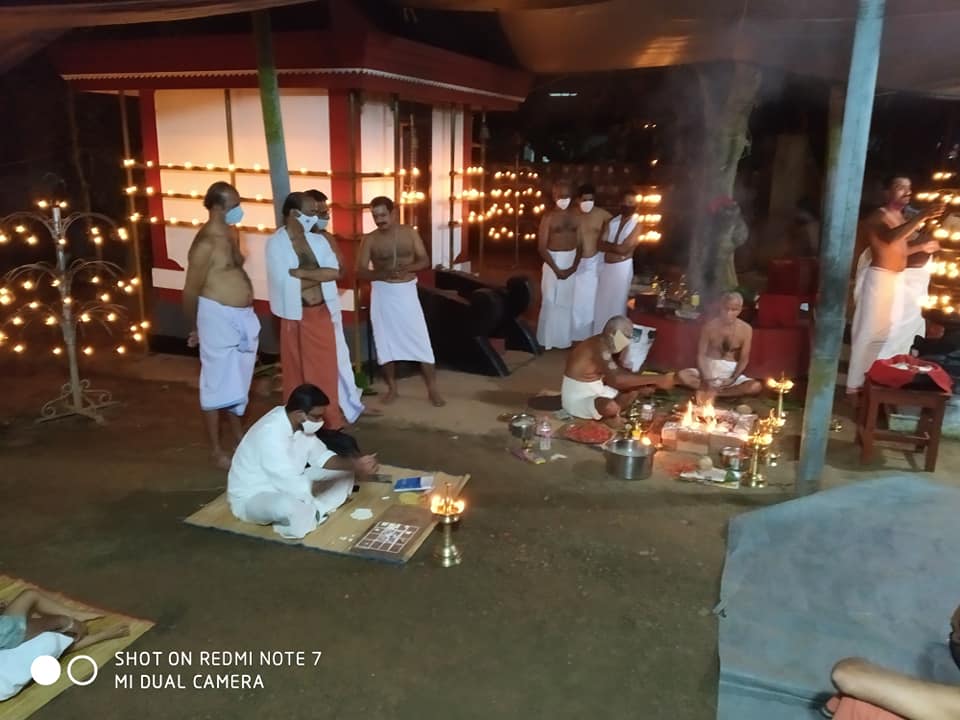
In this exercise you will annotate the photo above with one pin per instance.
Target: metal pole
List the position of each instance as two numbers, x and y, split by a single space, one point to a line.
836 250
228 113
483 186
453 175
355 227
516 214
272 118
131 209
397 149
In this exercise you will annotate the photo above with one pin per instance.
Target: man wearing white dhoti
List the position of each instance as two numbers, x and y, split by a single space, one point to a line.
389 258
559 244
593 227
283 475
616 273
885 318
218 304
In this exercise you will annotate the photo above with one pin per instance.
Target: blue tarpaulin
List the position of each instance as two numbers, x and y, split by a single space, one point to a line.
868 570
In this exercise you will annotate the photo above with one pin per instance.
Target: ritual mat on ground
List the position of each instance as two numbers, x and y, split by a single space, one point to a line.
402 528
34 696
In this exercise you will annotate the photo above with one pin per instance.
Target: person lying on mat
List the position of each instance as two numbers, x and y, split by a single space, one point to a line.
33 612
870 692
595 383
722 355
283 475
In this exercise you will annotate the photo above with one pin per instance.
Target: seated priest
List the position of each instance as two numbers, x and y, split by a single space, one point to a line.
722 355
596 385
284 475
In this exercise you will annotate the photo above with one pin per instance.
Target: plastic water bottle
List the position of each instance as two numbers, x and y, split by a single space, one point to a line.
544 431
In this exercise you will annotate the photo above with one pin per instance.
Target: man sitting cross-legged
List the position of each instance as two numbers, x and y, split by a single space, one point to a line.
284 475
722 355
595 383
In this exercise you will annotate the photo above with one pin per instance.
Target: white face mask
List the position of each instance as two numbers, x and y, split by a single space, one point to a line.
587 205
563 203
620 342
308 221
310 427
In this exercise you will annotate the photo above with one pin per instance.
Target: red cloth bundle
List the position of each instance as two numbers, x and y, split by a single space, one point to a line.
901 370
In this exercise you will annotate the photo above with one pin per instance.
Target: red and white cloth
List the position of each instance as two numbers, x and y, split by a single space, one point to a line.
901 370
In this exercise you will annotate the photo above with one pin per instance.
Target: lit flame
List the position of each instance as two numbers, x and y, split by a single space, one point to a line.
688 415
440 505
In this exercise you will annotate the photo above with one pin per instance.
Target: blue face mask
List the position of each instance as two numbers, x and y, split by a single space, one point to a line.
233 215
322 223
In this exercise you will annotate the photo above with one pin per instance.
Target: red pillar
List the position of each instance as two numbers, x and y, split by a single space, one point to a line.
345 183
151 154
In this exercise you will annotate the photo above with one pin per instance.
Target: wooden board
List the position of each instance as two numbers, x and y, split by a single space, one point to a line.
396 534
340 531
34 696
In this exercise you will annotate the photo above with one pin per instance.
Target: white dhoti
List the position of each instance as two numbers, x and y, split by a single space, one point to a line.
916 287
613 292
351 405
882 326
555 324
578 398
586 280
294 516
722 370
229 338
399 328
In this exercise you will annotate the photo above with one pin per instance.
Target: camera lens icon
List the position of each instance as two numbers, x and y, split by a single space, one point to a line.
46 670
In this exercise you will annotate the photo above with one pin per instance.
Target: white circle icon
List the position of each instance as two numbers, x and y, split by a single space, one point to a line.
45 670
93 664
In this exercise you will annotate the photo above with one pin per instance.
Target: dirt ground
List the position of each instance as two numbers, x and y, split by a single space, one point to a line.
577 594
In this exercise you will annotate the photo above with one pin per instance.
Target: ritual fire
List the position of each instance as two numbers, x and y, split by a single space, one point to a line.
703 429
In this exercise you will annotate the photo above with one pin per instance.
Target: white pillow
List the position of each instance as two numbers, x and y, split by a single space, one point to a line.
15 663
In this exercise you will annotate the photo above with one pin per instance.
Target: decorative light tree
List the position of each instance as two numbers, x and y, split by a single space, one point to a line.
72 294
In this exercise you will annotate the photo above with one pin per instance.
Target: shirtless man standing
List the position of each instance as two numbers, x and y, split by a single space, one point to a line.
559 245
595 383
218 304
399 329
722 355
887 316
593 227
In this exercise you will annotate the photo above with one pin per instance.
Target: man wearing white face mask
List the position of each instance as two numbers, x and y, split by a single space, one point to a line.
593 226
596 383
300 268
283 475
559 245
218 305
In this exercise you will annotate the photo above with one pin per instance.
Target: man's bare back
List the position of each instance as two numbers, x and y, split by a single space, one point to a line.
726 341
562 227
393 249
226 281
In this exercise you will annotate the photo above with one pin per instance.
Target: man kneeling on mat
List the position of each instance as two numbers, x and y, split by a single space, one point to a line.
33 612
595 383
284 475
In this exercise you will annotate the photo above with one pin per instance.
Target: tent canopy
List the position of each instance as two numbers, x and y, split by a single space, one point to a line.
808 37
27 26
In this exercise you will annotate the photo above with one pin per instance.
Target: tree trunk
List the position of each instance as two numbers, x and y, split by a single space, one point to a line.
729 93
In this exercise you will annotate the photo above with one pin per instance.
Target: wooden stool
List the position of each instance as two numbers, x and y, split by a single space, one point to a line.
932 405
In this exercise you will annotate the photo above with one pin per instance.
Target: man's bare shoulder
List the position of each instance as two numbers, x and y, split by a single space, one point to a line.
602 215
743 326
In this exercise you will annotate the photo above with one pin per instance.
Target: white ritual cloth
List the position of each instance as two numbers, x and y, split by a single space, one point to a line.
586 280
229 338
578 397
722 370
880 323
555 324
399 328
